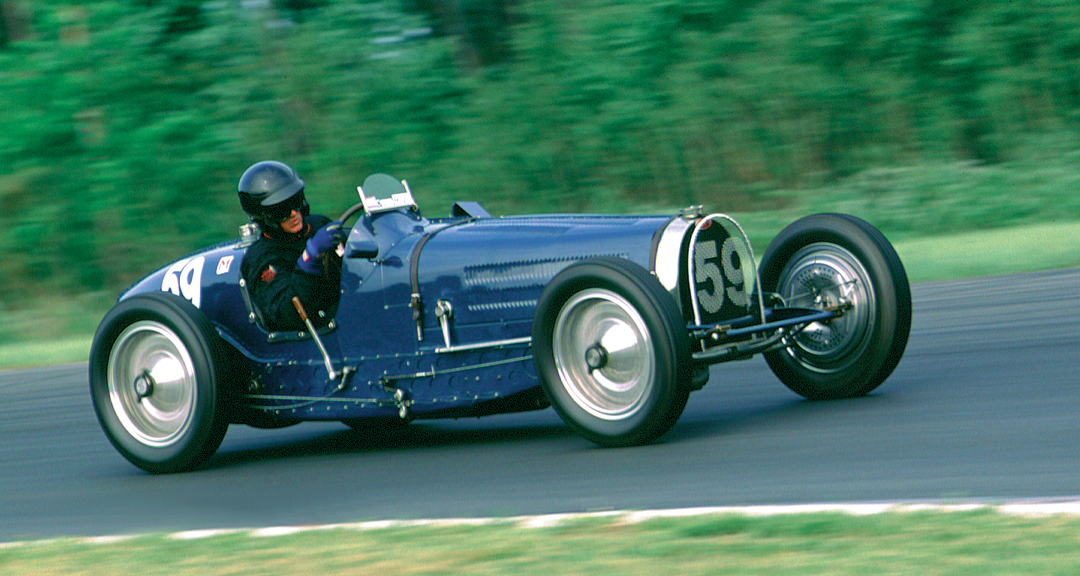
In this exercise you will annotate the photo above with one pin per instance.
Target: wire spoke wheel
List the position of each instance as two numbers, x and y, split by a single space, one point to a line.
838 262
825 275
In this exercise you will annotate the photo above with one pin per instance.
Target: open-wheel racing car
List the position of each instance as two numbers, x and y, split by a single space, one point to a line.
612 320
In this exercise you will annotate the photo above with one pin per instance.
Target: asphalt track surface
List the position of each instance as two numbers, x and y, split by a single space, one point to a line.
984 406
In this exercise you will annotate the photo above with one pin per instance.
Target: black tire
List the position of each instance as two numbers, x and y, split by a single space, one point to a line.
613 395
811 263
155 382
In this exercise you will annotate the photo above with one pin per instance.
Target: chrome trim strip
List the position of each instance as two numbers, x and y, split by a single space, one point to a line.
480 345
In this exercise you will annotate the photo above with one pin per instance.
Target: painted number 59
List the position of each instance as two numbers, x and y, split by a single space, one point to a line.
708 272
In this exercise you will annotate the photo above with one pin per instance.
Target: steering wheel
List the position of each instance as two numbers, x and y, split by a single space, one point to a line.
377 186
358 207
365 248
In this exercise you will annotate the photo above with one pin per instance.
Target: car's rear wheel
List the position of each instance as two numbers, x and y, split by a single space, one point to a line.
154 381
612 352
841 262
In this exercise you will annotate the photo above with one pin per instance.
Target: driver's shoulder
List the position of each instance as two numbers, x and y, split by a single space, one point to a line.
261 254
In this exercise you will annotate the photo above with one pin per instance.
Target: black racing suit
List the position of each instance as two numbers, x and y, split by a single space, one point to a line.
273 278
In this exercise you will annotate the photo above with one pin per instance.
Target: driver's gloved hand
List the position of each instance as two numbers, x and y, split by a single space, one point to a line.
325 239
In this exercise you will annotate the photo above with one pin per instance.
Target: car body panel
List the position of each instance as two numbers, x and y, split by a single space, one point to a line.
388 332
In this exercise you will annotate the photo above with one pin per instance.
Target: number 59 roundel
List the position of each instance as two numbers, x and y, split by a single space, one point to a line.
722 268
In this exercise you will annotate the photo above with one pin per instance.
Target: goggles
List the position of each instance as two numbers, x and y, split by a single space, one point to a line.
281 211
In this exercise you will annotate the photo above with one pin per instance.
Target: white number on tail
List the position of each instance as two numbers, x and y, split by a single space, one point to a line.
185 279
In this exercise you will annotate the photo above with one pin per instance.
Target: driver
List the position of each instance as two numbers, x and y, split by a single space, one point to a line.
296 253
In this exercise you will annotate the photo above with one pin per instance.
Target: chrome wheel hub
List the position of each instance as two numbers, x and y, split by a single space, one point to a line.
144 385
152 384
604 354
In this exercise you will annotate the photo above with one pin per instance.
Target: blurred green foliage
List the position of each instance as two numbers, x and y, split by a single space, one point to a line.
126 123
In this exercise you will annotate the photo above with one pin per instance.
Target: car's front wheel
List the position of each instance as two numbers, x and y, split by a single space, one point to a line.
839 262
154 381
612 352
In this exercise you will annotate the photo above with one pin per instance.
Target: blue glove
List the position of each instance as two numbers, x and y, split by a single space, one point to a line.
325 239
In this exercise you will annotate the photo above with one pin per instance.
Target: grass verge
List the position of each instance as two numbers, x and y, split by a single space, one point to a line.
988 253
34 353
983 542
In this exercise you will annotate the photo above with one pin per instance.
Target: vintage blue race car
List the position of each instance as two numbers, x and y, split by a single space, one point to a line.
612 320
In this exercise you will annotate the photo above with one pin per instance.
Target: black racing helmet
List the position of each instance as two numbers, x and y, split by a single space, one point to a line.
269 191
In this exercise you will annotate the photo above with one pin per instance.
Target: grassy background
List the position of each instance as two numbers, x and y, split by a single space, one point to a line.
979 542
127 123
